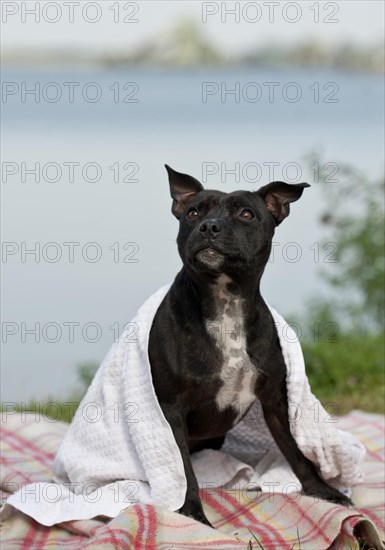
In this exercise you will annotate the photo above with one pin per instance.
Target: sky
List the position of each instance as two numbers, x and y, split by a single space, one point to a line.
233 26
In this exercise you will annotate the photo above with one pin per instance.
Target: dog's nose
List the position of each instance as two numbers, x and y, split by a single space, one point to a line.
213 227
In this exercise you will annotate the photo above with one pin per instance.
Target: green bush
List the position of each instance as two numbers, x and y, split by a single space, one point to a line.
348 372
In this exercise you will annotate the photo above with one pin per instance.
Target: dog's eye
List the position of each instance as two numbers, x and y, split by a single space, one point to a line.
246 214
192 214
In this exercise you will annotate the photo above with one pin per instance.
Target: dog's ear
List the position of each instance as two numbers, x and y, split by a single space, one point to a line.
183 189
278 196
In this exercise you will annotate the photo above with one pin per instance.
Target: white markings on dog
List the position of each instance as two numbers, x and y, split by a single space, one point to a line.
238 373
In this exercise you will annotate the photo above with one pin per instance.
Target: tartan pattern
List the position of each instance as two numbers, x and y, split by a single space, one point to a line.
242 521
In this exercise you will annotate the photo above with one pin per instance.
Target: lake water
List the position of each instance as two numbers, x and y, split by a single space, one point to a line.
84 187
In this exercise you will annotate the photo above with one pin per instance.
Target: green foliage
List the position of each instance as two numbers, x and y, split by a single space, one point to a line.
86 373
350 370
354 215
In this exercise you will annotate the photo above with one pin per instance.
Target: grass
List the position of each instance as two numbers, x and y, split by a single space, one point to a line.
348 373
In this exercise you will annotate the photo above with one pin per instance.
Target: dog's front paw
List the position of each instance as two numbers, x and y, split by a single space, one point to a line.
326 492
194 510
339 498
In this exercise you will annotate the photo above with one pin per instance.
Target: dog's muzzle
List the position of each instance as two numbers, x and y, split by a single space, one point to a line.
210 258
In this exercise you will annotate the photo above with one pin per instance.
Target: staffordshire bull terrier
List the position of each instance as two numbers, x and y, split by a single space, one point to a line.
213 345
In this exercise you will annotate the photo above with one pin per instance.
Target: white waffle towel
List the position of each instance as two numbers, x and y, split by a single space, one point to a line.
120 450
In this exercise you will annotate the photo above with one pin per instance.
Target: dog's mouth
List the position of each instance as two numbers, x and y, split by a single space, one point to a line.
210 258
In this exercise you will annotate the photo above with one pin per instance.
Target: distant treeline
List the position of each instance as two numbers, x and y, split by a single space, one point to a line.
185 45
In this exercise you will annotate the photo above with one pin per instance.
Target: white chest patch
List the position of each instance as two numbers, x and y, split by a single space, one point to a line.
238 373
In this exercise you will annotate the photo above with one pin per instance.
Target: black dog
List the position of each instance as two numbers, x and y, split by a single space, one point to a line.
213 345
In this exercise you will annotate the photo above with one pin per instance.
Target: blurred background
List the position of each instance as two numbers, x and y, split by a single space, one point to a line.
97 96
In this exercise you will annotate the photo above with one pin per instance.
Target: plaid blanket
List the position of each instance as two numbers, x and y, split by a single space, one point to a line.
243 520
